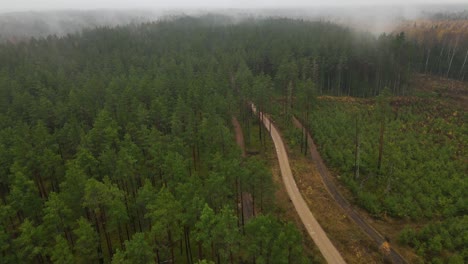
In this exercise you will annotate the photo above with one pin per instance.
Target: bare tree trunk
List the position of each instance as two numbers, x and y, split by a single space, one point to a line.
463 66
157 257
377 80
260 126
440 60
212 250
398 82
187 248
98 229
242 208
253 201
194 158
120 236
451 60
171 244
237 202
306 135
427 60
339 81
303 140
200 250
107 235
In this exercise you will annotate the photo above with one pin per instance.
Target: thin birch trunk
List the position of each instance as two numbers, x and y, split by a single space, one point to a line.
463 66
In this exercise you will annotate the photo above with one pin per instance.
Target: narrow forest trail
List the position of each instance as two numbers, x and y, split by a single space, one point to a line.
343 203
239 135
328 250
246 199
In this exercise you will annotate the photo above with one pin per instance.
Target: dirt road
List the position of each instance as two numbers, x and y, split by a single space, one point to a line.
239 135
328 250
343 203
246 201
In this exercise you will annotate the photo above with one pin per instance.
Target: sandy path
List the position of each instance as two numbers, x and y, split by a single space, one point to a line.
328 250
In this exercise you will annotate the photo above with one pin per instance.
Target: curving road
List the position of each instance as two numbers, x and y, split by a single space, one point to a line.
328 250
343 203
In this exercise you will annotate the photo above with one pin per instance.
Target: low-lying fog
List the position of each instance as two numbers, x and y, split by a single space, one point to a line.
19 25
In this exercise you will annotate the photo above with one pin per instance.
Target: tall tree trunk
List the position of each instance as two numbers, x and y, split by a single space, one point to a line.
237 202
356 157
188 249
253 200
189 245
187 254
440 60
157 257
39 184
98 229
137 217
427 60
212 250
260 126
381 142
181 248
242 207
127 232
197 145
222 144
302 138
120 236
306 145
194 158
200 250
463 65
106 234
261 200
171 244
450 63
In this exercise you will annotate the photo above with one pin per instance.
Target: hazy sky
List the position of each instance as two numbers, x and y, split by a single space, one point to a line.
9 5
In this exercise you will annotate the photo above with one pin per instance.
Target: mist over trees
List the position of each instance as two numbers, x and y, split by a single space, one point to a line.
21 26
443 38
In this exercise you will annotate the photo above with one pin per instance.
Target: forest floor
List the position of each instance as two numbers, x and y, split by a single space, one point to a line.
453 91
